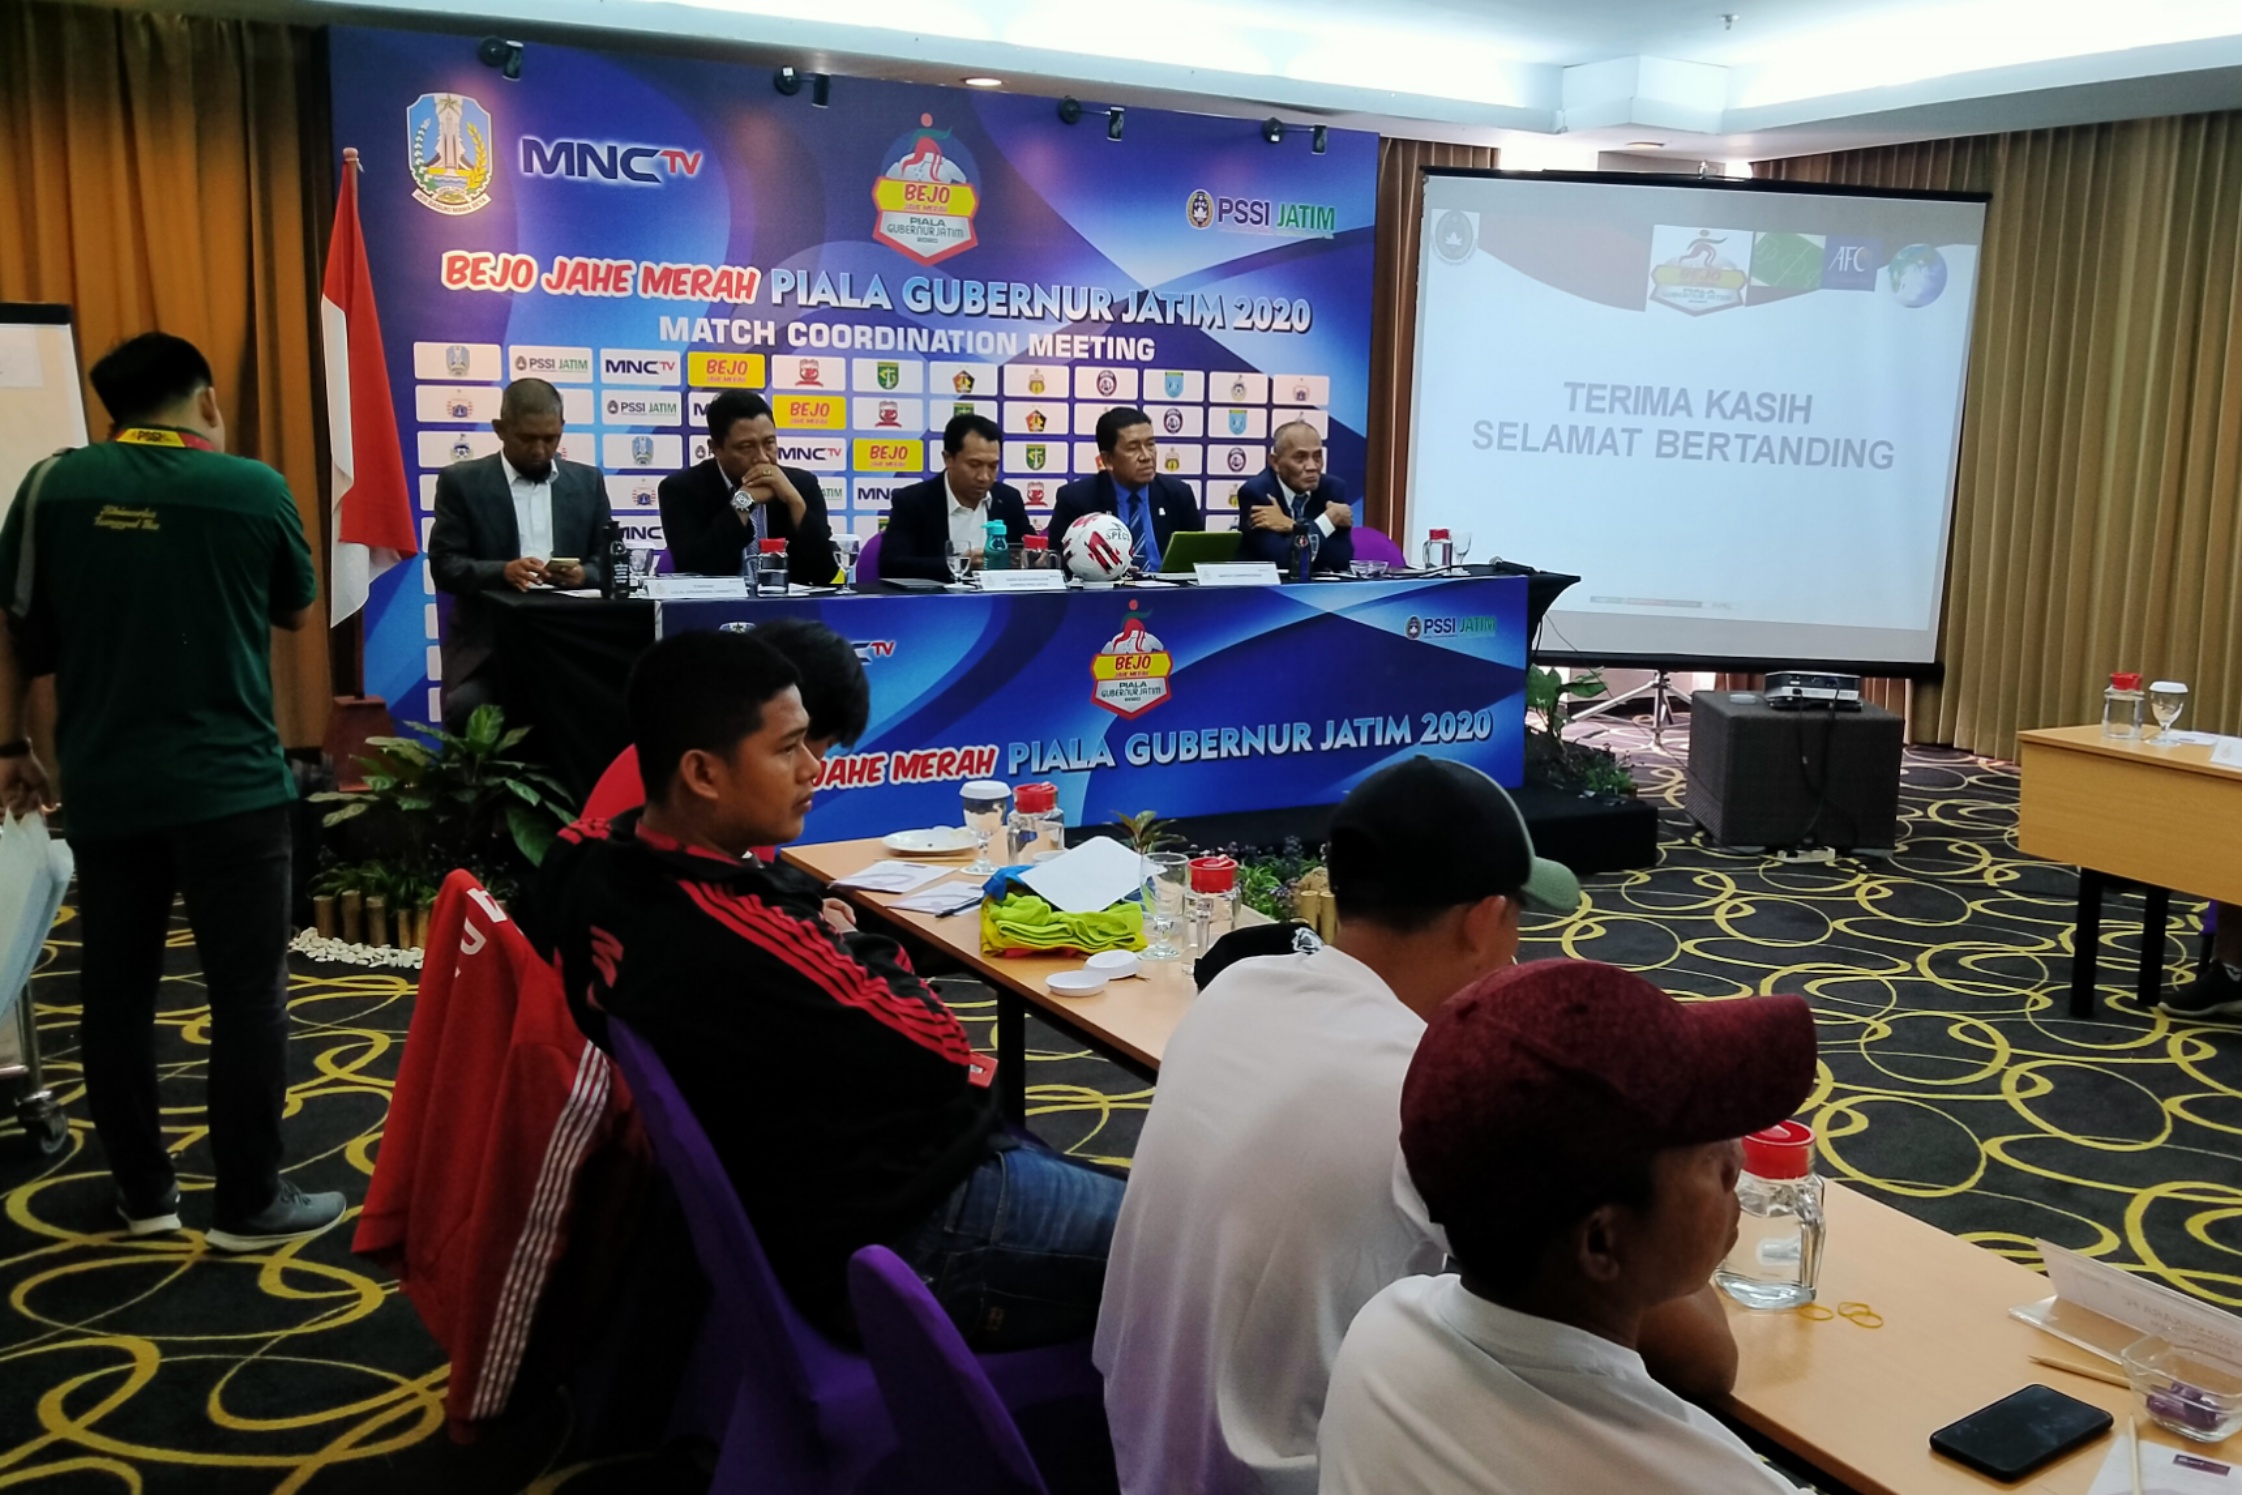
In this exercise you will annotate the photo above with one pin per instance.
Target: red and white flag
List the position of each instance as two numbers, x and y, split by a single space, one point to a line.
372 515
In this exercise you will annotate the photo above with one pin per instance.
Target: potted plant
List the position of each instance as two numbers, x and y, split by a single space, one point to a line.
1552 760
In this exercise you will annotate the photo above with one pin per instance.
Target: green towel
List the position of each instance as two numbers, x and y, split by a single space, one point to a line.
1023 924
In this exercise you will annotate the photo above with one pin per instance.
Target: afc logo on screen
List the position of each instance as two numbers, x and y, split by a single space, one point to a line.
607 161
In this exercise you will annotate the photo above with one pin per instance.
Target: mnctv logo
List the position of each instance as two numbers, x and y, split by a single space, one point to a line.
607 161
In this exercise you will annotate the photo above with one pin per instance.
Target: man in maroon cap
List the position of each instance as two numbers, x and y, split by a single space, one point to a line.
1575 1130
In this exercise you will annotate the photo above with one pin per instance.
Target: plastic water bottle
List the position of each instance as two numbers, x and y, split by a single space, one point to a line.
1038 825
996 551
1210 907
1304 547
1777 1257
2121 706
617 581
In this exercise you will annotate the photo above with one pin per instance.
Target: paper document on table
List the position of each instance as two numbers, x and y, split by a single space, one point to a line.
694 588
2228 752
2116 1304
892 877
1089 879
2164 1471
946 899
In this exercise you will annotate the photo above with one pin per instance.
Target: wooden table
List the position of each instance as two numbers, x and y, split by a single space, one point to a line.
2162 817
1129 1021
1862 1403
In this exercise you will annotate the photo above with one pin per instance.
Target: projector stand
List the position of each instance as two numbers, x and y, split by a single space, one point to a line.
1659 687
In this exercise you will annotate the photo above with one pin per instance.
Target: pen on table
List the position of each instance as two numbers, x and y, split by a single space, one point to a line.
2091 1372
2133 1431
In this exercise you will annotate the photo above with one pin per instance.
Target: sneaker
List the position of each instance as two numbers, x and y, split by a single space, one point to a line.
2217 992
290 1217
162 1216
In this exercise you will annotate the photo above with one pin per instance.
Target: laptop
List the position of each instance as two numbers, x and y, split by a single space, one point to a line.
1195 547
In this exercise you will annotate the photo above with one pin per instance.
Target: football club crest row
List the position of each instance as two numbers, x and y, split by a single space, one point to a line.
866 426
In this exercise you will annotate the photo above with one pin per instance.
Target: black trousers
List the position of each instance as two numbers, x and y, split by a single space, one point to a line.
233 873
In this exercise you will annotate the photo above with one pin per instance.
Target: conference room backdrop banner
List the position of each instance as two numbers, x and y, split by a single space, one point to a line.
646 231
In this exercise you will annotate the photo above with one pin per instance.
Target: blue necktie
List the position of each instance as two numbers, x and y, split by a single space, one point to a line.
1140 520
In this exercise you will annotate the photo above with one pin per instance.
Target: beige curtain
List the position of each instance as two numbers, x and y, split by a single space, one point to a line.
167 172
1393 320
2095 524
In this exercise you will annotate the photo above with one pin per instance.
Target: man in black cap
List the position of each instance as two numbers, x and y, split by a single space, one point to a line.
1263 1206
1574 1129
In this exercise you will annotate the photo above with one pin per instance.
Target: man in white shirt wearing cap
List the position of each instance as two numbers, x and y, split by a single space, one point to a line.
1574 1129
1266 1203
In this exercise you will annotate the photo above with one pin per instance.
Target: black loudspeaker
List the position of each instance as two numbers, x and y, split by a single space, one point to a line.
1761 777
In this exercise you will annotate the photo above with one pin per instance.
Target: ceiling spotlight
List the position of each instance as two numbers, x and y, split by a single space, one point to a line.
821 90
1070 110
1318 139
1729 18
1272 129
983 82
502 54
1113 118
1646 145
787 81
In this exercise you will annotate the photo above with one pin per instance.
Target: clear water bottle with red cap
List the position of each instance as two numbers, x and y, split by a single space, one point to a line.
1210 907
1778 1252
2121 706
1039 826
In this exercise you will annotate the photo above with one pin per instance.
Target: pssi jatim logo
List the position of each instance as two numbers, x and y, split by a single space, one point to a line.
1130 673
925 197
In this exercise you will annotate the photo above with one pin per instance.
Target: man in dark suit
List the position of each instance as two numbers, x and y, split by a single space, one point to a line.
713 512
955 508
518 519
1129 483
1292 496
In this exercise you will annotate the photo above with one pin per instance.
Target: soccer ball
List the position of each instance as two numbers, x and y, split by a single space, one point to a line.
1098 547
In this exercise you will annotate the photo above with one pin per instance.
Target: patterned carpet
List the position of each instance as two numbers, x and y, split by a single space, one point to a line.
1953 1087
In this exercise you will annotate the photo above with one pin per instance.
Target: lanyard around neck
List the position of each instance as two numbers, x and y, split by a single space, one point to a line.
164 436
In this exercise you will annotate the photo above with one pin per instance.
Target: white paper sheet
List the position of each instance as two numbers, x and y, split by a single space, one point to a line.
892 877
2228 753
2164 1471
20 364
1089 879
2147 1306
946 899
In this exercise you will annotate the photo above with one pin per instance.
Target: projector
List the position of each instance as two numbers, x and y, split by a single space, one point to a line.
1802 690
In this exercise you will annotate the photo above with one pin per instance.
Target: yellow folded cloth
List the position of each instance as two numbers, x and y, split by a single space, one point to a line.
1023 924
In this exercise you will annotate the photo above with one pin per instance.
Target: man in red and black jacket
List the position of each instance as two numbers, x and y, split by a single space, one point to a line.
841 1094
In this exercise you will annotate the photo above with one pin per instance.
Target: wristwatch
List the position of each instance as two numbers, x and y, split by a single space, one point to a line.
21 747
741 502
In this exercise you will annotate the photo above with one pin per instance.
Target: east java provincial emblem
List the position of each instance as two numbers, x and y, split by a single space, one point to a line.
449 147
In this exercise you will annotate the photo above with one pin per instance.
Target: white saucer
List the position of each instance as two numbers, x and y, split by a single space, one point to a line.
1115 965
936 841
1076 983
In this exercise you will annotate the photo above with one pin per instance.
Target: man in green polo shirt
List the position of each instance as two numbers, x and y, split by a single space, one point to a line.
146 574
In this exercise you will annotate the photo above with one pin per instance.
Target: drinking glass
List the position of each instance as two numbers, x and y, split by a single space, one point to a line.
985 803
960 561
1462 539
1165 873
2167 699
642 565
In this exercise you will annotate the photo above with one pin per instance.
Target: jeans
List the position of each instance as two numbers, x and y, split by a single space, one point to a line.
1016 1254
234 874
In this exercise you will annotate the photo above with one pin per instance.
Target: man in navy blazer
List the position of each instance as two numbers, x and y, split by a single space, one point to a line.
1290 495
1154 506
502 522
954 508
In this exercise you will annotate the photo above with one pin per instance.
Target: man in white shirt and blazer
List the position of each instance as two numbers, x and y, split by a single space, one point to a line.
502 522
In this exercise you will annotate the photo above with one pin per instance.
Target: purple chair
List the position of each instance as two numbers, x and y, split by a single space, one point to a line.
808 1418
868 559
957 1437
1376 545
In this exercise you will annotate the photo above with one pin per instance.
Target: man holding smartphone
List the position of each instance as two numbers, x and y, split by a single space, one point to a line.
523 518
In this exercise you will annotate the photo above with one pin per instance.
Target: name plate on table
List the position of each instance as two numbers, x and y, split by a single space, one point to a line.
1237 574
2101 1309
1023 581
